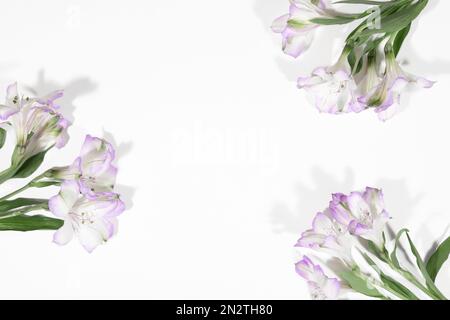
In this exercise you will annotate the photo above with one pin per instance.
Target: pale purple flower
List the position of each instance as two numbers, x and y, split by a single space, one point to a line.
93 168
363 213
320 286
37 123
92 219
385 97
332 89
329 235
297 27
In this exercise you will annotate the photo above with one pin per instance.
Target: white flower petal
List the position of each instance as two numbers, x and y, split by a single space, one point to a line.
357 206
70 192
280 23
64 234
90 238
295 45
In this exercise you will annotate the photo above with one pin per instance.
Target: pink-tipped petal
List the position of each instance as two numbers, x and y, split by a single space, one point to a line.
7 111
295 45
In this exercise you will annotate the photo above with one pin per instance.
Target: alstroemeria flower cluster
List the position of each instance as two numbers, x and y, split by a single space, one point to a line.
335 230
87 205
37 123
367 74
350 230
86 201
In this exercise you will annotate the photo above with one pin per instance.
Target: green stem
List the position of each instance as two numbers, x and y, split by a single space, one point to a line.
380 284
25 187
412 279
402 297
435 294
12 194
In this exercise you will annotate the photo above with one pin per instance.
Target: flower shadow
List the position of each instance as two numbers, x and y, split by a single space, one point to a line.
399 200
72 90
310 201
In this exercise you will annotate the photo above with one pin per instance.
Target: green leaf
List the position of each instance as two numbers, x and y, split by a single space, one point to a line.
352 59
8 205
356 62
373 248
423 269
400 38
396 286
30 223
438 258
2 137
397 20
393 285
371 45
30 165
394 252
360 285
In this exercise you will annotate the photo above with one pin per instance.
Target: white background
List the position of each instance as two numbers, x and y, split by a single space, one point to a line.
222 161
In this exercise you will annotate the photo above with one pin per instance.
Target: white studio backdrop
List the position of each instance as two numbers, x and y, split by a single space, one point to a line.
222 162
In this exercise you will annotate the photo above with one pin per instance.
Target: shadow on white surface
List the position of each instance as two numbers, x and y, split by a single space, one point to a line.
72 90
310 201
400 202
122 149
425 67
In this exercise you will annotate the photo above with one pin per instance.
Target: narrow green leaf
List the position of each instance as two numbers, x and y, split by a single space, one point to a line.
360 285
397 287
423 269
356 62
7 205
373 248
400 38
30 166
438 258
351 58
394 252
371 45
30 223
391 284
397 20
2 137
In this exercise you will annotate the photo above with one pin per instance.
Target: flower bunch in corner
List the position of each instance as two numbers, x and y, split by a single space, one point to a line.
86 206
367 74
351 234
